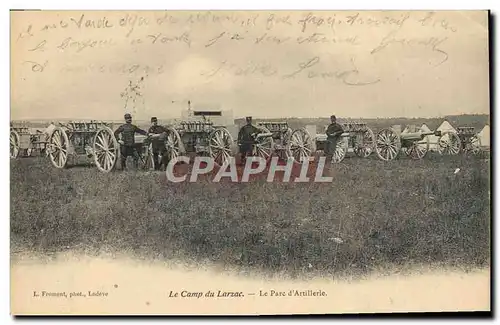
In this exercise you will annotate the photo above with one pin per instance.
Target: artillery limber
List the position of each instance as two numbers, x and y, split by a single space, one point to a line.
96 141
340 148
277 138
24 141
357 138
200 136
416 144
469 141
91 138
361 139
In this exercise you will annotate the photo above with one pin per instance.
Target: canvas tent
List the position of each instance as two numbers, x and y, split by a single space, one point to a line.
433 140
425 128
484 136
446 127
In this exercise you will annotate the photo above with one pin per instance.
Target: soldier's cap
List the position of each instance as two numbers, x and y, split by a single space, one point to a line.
333 116
154 119
248 118
127 116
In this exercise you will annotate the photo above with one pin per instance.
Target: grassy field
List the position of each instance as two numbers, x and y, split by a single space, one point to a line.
387 214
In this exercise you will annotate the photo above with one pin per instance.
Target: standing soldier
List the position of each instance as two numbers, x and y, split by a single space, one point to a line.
246 138
157 142
333 133
128 131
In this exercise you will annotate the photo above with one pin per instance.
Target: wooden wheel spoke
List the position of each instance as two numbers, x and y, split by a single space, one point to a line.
100 138
297 139
111 155
56 140
216 139
102 158
263 152
101 146
108 161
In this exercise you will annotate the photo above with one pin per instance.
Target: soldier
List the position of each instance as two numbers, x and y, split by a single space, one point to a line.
128 131
158 145
246 138
333 133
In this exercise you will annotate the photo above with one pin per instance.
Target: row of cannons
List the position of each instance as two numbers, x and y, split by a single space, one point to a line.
96 140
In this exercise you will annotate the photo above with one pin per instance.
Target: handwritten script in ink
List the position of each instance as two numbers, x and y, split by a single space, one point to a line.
280 45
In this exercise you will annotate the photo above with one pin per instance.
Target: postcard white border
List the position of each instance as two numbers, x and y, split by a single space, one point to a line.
185 4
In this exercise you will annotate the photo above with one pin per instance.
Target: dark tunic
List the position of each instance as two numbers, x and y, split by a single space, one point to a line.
246 137
128 132
245 134
333 133
157 142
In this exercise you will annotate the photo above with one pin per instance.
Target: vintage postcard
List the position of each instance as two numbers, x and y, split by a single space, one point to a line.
249 162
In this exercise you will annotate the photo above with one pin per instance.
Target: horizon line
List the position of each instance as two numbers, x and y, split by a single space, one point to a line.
262 117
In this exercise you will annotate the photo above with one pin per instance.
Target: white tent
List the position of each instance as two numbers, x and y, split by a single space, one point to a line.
433 140
425 128
446 127
484 136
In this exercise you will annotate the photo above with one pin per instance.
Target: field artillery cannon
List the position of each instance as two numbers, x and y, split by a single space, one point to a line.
91 138
23 140
413 144
357 138
341 147
201 137
278 138
361 139
96 141
470 142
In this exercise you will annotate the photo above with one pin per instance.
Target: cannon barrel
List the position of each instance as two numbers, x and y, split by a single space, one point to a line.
418 135
263 135
323 137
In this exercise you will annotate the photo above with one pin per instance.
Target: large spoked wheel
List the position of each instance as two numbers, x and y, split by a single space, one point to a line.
449 144
172 145
105 150
264 147
58 147
365 143
473 145
220 144
300 145
14 144
388 144
340 150
418 149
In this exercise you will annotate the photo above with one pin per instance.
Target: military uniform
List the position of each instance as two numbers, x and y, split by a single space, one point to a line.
157 143
333 133
128 131
246 138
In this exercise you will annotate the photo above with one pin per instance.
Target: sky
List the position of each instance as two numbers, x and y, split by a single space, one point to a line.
369 64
